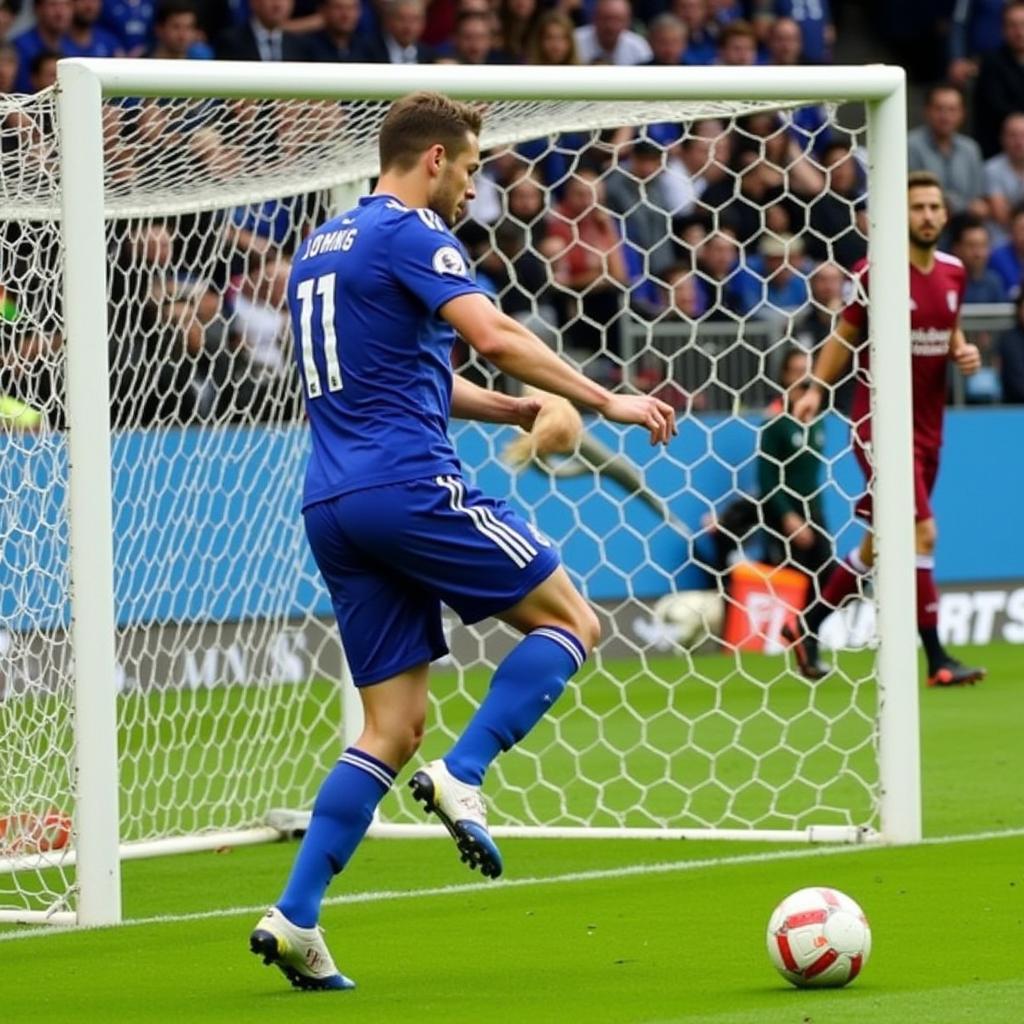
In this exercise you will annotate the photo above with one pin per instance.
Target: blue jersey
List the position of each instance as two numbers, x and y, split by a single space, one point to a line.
373 353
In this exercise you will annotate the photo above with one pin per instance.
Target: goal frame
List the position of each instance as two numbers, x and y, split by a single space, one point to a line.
83 84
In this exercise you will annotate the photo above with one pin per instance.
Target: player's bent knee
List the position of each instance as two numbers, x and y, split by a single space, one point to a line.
588 628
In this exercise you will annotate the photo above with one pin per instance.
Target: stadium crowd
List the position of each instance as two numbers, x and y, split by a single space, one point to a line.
758 220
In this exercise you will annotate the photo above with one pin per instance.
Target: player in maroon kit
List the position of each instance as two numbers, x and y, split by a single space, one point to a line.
937 283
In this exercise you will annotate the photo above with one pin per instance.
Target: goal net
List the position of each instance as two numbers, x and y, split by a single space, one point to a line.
678 247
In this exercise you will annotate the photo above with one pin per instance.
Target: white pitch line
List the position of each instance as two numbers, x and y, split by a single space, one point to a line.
662 868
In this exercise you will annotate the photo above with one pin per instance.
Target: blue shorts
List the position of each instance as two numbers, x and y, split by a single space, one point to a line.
391 555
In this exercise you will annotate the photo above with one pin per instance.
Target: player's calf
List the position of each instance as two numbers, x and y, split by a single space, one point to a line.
804 646
300 954
460 808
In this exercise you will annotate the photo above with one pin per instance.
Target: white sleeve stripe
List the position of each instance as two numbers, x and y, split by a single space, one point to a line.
455 503
551 634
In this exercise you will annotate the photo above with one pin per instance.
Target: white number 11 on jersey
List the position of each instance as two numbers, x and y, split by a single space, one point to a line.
325 289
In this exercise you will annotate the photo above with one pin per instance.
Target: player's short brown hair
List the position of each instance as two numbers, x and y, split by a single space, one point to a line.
923 179
421 120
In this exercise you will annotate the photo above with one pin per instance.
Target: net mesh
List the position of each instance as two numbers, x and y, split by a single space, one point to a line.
673 248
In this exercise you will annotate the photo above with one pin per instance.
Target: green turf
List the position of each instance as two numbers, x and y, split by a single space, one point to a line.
683 945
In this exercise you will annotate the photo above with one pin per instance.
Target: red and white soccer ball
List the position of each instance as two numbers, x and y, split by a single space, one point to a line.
819 938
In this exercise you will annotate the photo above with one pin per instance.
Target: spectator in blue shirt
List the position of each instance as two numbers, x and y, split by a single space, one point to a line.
814 19
780 273
85 37
132 22
700 47
976 29
176 28
1010 350
49 35
970 244
1008 260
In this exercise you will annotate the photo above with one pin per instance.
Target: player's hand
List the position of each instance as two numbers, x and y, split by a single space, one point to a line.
644 411
807 406
968 358
553 426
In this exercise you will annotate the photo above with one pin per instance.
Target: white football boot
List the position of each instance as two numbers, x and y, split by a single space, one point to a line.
299 953
460 808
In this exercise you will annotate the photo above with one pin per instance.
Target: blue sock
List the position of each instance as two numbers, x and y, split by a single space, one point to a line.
529 680
341 815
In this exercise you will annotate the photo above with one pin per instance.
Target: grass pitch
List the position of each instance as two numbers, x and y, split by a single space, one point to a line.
617 931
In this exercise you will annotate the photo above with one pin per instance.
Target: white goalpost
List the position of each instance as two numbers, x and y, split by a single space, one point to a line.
170 674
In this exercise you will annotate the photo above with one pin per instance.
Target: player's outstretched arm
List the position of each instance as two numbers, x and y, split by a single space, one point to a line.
828 368
518 352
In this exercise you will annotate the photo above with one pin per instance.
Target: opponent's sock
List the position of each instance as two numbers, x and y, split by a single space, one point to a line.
928 613
341 815
843 581
527 682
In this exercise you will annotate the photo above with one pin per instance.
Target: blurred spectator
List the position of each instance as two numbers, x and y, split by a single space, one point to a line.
609 40
49 34
401 40
8 68
827 282
719 275
154 339
955 159
970 244
177 32
8 13
1004 173
473 37
590 267
1010 352
518 20
637 193
685 301
85 37
976 29
1000 88
552 41
132 22
781 268
837 216
338 41
737 45
500 171
785 43
667 39
1007 260
705 154
263 37
814 21
42 72
700 44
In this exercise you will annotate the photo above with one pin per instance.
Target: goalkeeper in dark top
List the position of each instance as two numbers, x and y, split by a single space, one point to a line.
789 471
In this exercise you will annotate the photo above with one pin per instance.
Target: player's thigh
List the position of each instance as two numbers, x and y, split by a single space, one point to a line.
556 602
389 624
926 472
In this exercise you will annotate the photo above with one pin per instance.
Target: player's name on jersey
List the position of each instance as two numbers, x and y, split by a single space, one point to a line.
331 241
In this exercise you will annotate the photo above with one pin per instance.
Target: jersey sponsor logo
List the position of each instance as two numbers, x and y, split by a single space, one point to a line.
448 260
431 219
930 341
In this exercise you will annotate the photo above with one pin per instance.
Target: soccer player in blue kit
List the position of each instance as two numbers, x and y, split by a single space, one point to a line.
377 297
